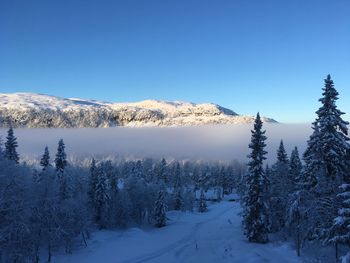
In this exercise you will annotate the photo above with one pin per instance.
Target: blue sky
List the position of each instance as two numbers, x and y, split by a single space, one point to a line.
267 56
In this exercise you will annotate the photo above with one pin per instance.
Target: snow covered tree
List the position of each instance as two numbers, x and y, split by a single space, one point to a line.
137 190
45 159
202 205
10 146
300 203
254 216
119 207
282 156
15 235
2 151
63 177
326 158
177 175
266 193
61 157
295 167
101 198
339 232
333 133
161 171
65 186
222 181
92 182
159 211
281 185
312 158
178 199
298 216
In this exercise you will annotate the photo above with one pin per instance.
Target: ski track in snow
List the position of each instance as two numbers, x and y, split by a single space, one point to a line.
215 236
176 245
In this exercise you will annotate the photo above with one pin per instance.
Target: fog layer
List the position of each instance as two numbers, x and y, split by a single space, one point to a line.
220 142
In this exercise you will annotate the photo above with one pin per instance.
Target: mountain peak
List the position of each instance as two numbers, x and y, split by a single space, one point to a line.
39 110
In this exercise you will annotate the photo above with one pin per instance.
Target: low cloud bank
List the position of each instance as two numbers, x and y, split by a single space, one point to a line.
219 142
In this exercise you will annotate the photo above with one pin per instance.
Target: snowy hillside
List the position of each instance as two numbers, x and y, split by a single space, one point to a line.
36 110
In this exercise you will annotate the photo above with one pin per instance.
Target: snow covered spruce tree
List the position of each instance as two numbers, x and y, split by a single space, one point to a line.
159 211
299 203
60 165
92 183
101 198
295 168
61 157
312 158
281 186
339 232
10 146
255 212
45 159
178 189
178 199
325 159
202 205
160 171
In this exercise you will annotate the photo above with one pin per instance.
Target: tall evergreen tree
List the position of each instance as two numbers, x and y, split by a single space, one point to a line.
255 212
282 156
300 203
326 158
161 171
202 205
159 210
61 157
312 159
295 167
64 191
45 159
333 132
92 182
10 146
178 199
177 176
281 186
101 198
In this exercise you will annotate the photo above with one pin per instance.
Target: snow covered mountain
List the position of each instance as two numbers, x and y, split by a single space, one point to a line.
37 110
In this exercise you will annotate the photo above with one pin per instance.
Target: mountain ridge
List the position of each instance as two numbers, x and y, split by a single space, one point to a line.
35 110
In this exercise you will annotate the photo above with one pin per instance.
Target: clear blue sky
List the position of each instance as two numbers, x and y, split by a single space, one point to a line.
267 56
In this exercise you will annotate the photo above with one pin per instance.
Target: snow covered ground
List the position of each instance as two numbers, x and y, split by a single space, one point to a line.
215 236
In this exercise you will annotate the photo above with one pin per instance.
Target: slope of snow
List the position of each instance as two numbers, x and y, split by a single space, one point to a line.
25 101
215 236
37 110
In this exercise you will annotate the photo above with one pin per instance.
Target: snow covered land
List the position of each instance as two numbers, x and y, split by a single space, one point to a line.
215 236
37 110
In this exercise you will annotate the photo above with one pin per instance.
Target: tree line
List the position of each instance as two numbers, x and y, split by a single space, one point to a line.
310 200
56 204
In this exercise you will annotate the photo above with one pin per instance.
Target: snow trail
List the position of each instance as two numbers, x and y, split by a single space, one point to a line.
215 236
